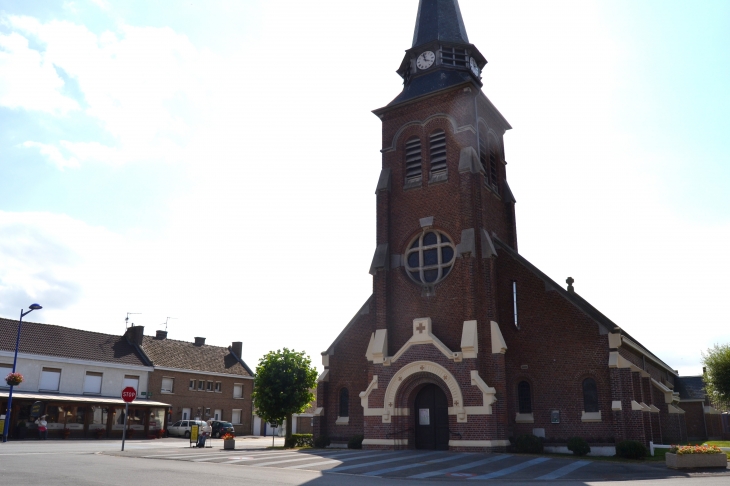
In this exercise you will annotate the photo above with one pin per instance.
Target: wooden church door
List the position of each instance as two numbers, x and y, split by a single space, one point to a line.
432 419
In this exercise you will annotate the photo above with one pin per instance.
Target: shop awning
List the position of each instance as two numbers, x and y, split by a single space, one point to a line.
81 399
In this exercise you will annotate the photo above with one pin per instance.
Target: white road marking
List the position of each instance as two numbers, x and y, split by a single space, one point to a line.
327 463
355 466
559 473
510 470
305 458
461 467
411 466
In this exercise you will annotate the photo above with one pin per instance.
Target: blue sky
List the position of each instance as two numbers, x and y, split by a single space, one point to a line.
215 161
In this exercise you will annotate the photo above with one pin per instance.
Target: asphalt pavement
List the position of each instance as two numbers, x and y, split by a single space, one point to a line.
172 461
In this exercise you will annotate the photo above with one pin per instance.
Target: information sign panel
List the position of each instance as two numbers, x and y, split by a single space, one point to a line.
424 416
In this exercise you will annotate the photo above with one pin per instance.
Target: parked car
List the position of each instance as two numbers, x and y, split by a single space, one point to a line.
221 428
181 428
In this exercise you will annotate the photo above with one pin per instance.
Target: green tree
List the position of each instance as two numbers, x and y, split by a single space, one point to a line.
283 386
717 372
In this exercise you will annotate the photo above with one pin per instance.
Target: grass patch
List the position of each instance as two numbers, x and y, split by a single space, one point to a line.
719 443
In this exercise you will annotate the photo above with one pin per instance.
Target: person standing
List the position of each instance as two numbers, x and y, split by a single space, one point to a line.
42 427
204 433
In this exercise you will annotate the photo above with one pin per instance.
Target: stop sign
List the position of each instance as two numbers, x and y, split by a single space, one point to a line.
129 394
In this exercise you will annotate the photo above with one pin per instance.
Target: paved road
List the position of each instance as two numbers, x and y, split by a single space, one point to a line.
170 461
421 465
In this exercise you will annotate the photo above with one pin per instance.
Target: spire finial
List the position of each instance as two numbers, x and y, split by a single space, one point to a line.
570 281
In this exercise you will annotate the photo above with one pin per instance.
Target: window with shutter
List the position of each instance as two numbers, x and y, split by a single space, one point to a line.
437 154
92 383
237 391
5 369
413 161
50 379
236 416
166 385
132 381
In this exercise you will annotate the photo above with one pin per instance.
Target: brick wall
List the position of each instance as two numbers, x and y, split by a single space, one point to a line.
182 397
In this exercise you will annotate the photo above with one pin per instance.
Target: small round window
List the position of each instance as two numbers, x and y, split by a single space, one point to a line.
429 258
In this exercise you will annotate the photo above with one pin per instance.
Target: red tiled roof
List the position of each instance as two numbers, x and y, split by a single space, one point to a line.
65 342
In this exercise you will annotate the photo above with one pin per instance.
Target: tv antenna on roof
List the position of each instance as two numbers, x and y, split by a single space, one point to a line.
126 319
166 320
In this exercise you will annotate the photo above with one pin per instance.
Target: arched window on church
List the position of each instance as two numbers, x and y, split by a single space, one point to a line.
590 395
524 397
413 161
344 403
437 155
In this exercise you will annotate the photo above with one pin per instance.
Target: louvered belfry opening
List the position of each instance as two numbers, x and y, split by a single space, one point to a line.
493 163
451 56
483 158
413 160
437 153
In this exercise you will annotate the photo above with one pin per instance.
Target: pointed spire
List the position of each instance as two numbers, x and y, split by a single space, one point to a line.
439 20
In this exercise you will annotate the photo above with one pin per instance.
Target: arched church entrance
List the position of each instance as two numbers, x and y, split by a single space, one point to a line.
432 419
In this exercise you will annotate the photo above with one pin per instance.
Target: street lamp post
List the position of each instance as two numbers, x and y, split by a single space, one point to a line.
15 362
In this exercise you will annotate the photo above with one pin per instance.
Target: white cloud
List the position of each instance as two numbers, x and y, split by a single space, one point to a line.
102 4
54 155
28 79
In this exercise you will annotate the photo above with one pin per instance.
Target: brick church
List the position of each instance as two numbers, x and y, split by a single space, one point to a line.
463 342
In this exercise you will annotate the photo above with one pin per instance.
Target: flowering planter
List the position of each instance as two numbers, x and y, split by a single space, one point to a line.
689 461
14 379
229 445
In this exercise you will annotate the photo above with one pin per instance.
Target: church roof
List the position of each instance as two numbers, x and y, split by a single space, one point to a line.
690 387
575 299
439 20
365 309
430 84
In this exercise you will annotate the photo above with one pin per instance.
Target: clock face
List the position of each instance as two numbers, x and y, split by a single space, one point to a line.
425 60
474 66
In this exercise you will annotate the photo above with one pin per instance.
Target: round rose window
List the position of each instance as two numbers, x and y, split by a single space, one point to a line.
430 257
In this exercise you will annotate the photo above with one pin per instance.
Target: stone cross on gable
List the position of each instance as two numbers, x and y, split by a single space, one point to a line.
420 328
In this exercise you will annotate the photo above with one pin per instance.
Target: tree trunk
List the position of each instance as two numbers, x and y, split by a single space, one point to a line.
288 426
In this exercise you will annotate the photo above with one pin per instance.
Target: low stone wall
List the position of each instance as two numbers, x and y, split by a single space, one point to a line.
692 461
606 451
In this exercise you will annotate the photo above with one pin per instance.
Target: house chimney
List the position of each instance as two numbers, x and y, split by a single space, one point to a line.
161 335
237 348
135 334
199 341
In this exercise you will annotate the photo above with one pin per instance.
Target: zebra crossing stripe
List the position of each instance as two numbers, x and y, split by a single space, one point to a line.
306 459
252 457
512 469
411 466
461 467
355 466
327 463
559 473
